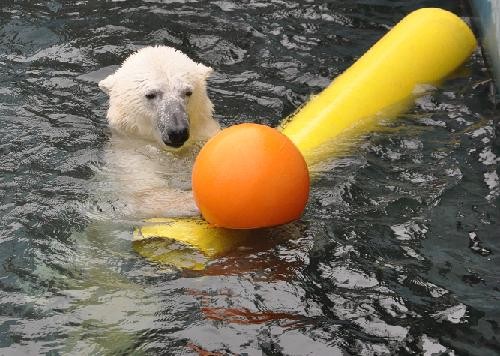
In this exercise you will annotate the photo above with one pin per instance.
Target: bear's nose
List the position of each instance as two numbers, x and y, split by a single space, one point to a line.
176 138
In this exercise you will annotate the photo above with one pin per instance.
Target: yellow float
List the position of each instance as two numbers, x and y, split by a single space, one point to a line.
200 241
423 49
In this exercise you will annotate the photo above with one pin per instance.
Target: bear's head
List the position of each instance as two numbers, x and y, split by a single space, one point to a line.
160 94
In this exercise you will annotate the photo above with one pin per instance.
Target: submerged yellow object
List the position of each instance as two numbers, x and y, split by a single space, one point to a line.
204 241
423 48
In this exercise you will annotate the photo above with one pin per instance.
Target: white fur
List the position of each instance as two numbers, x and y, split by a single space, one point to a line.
151 179
158 68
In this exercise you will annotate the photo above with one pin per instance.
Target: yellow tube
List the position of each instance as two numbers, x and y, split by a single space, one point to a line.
425 47
196 233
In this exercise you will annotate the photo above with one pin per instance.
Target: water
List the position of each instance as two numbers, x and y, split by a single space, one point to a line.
397 252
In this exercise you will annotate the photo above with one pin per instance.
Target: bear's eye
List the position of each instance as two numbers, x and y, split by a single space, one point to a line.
188 93
151 95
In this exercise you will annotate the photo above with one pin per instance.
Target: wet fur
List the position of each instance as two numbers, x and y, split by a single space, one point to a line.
151 179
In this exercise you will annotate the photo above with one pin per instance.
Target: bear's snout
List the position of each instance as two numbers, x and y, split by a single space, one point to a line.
173 123
176 138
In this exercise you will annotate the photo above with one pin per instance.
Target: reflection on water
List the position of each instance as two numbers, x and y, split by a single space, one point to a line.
397 251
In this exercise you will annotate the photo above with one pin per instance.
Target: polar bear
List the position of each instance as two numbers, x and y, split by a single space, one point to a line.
160 94
158 111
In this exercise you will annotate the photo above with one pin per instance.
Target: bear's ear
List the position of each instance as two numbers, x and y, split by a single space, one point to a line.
107 83
204 70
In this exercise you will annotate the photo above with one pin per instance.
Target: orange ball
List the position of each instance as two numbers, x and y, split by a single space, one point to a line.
250 176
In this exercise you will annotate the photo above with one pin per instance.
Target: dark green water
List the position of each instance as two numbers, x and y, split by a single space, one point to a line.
382 262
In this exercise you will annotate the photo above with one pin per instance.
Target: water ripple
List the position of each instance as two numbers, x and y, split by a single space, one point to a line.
396 253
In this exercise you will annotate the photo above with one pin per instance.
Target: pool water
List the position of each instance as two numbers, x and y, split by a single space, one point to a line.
397 252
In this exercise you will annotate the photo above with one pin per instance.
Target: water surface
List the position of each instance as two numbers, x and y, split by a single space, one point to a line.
397 252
